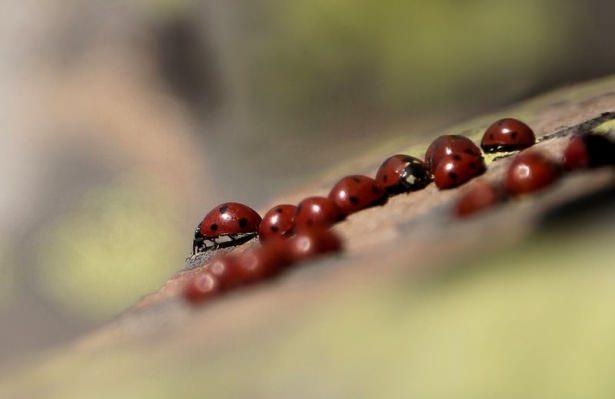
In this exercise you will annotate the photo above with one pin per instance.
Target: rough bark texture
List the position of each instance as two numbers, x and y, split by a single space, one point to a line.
512 303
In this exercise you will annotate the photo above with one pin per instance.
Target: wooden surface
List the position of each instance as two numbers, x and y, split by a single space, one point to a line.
514 303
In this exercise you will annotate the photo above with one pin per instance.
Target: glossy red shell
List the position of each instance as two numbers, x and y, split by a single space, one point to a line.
226 269
402 173
264 262
230 218
575 154
530 171
448 145
354 193
479 196
507 134
589 151
201 287
311 243
279 221
454 170
317 212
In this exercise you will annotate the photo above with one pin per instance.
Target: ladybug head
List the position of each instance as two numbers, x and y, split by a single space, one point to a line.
198 241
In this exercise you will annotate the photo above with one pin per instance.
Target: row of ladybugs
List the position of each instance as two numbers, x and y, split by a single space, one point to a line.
290 234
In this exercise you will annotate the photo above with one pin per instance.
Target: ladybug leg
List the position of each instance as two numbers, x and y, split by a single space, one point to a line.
210 245
202 244
231 240
235 240
241 238
224 241
198 247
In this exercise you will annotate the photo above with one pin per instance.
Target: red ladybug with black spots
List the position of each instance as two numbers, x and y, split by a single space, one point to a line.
402 173
507 134
531 171
317 212
446 145
454 170
354 193
226 225
279 221
589 151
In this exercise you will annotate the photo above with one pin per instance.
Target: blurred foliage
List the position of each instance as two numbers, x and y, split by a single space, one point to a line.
6 277
120 243
304 59
323 55
533 322
165 9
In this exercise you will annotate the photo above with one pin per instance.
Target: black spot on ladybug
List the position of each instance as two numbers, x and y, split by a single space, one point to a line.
491 135
278 210
309 222
472 165
456 157
275 229
514 135
213 227
243 222
453 175
223 209
299 208
354 200
356 180
469 151
500 122
375 190
385 178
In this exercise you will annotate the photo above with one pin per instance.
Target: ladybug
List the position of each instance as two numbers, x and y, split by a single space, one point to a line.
263 262
576 155
201 287
311 243
354 193
226 225
447 145
480 196
317 212
507 134
529 172
589 151
226 270
454 170
402 173
278 222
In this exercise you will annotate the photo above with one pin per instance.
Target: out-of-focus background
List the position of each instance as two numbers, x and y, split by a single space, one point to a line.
122 123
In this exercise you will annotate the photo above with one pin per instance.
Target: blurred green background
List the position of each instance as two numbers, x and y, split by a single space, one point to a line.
124 122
